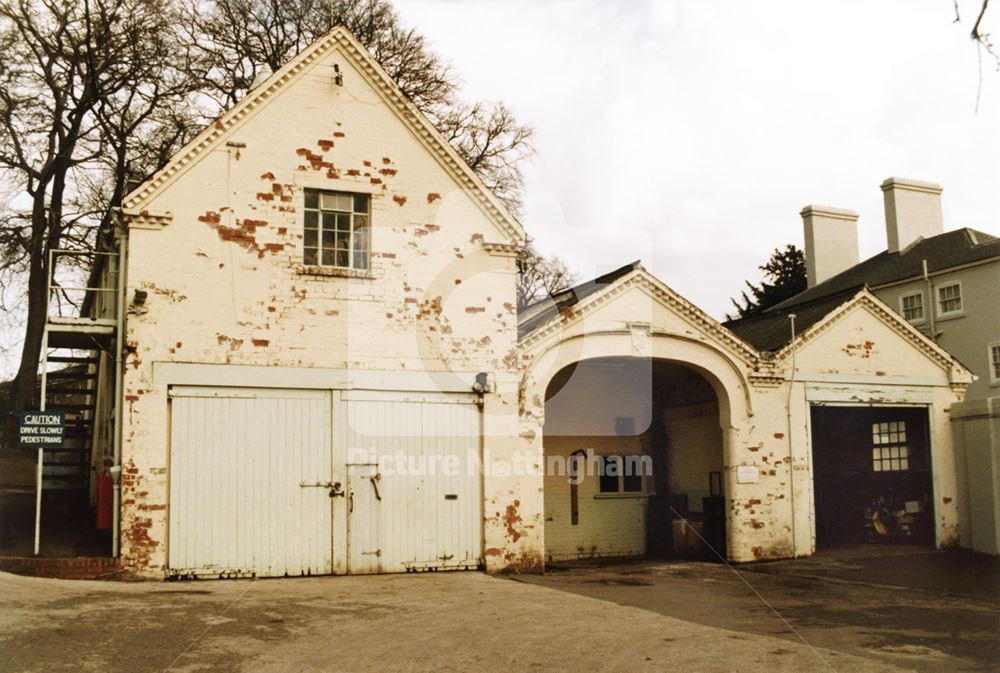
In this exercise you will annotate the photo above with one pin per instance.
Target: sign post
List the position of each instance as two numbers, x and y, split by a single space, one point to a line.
41 430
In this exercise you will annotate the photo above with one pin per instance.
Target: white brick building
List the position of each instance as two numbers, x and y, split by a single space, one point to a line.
319 291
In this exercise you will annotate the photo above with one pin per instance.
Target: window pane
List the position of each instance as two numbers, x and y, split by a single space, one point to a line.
311 219
360 203
344 222
342 258
632 483
903 452
312 198
904 464
895 464
335 201
309 256
328 220
361 260
329 257
328 238
878 465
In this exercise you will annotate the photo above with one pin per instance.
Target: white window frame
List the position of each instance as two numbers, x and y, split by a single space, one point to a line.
994 375
358 230
961 299
890 448
923 307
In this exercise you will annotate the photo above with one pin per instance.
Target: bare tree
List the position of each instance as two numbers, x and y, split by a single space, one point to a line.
539 277
94 93
235 41
80 85
978 33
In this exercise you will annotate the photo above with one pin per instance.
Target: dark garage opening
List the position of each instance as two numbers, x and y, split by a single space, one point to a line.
872 463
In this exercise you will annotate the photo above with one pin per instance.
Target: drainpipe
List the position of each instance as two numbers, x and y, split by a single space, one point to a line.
931 302
791 459
116 467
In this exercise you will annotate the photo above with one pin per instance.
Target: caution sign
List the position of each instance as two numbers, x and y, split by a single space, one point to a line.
41 429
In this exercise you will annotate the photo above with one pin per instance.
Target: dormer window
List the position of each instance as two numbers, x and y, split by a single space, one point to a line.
336 229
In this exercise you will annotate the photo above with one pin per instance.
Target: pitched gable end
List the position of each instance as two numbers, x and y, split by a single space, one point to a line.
258 98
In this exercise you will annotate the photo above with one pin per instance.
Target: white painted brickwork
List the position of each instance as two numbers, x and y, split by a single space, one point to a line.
226 285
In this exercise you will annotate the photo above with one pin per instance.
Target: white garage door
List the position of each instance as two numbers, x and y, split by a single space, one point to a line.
251 471
237 461
414 483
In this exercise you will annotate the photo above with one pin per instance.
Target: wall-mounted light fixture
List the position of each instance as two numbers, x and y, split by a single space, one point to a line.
482 384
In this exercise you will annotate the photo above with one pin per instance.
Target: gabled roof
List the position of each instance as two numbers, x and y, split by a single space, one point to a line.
546 316
262 94
770 330
864 298
540 312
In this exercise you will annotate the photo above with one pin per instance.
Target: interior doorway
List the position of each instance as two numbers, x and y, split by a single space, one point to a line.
607 415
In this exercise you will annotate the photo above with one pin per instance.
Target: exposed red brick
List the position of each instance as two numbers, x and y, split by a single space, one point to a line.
260 343
475 309
432 197
401 200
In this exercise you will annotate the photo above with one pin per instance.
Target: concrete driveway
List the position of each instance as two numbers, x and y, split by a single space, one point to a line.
917 609
629 617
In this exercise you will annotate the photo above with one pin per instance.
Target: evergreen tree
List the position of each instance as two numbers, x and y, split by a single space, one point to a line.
784 277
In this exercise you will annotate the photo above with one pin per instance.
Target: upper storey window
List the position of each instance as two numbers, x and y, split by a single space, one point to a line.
337 229
913 306
950 299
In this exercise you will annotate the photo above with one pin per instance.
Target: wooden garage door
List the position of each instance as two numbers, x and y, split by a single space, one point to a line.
238 459
414 481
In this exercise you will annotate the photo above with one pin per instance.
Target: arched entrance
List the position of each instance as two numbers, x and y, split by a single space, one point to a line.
634 456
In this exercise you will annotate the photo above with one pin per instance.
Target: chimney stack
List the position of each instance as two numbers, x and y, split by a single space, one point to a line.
831 241
912 211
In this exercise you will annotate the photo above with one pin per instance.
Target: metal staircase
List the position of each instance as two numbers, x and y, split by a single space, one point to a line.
81 325
73 390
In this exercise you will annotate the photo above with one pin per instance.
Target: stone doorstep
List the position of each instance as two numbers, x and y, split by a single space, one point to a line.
77 568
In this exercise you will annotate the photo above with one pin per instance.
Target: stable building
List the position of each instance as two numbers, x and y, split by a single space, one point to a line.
322 371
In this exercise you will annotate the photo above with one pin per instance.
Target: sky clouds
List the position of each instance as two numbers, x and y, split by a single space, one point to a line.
690 134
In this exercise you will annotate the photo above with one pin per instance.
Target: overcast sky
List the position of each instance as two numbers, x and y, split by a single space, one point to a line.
690 134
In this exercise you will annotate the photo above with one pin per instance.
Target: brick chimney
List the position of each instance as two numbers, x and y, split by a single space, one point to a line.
912 210
831 241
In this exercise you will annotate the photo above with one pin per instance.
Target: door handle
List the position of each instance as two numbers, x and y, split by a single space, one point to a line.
336 490
374 480
350 502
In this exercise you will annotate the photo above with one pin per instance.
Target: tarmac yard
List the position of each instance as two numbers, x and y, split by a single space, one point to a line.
822 614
